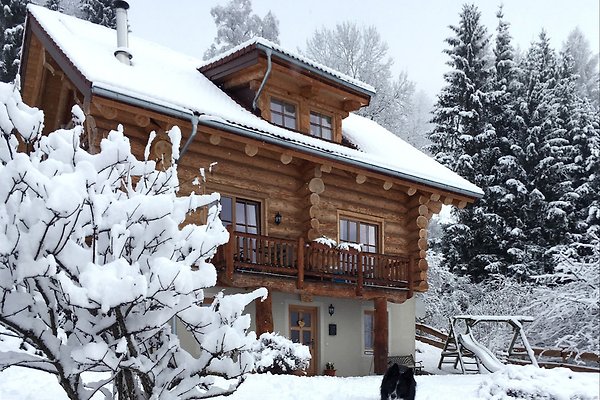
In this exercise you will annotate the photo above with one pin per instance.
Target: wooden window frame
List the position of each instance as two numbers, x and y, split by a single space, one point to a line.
247 194
366 219
370 311
261 209
284 102
321 115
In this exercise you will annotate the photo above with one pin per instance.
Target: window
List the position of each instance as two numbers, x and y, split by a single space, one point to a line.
245 213
283 114
363 233
246 216
368 331
320 126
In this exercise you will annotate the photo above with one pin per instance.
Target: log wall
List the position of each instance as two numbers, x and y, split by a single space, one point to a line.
308 191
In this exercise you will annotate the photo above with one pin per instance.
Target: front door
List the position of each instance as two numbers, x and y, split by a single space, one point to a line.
303 329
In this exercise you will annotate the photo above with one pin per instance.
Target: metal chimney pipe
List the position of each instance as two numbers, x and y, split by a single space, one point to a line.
122 53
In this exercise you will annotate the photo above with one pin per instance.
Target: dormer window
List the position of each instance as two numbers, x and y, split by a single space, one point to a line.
283 114
320 126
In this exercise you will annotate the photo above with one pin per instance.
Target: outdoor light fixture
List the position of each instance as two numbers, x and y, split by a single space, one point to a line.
331 310
277 218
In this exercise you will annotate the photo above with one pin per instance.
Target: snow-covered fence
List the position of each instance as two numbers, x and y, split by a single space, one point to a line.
555 357
430 335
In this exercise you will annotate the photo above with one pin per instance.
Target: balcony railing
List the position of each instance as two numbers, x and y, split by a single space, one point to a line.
305 262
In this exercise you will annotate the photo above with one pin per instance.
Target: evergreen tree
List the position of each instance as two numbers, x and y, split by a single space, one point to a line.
12 26
577 147
236 24
535 146
465 140
499 220
100 12
459 111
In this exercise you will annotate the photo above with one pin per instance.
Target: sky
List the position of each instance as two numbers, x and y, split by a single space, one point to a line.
414 30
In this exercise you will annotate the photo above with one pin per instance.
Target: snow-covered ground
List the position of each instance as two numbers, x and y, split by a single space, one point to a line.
523 382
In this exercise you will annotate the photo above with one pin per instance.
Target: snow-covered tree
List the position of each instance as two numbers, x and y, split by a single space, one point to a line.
459 112
236 24
585 64
567 303
465 140
11 37
419 118
100 12
53 5
95 263
564 304
361 53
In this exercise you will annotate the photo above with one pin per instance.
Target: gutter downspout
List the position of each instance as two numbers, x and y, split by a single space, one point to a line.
268 52
194 121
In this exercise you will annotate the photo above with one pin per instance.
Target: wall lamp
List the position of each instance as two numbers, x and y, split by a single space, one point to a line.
277 218
331 310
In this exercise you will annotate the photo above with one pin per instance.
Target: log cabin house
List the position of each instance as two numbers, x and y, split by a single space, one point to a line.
293 164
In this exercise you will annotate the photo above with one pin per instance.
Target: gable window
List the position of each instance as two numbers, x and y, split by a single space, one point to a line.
320 126
283 114
354 231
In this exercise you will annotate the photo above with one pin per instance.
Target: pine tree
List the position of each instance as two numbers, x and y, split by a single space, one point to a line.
577 148
465 140
506 194
12 26
236 24
459 111
100 12
538 112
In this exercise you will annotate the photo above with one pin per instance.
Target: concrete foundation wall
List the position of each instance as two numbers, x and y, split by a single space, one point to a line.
346 348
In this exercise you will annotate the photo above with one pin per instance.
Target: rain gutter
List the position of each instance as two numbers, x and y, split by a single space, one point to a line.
183 113
268 52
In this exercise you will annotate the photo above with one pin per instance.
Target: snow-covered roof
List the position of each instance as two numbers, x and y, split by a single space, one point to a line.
264 43
162 77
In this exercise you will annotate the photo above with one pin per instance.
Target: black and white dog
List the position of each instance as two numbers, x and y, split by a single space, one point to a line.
398 384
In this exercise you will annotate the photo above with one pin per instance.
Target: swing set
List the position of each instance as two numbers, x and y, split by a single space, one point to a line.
461 348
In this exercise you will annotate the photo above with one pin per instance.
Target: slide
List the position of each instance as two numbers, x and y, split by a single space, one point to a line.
485 356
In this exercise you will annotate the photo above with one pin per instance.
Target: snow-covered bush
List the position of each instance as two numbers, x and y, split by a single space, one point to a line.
528 382
95 263
278 355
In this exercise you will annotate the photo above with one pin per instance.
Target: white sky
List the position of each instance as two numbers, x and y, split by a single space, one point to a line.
415 30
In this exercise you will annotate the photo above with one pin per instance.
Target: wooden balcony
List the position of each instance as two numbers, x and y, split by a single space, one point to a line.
312 268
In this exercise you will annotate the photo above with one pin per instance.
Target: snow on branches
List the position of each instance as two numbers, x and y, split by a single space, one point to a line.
95 263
